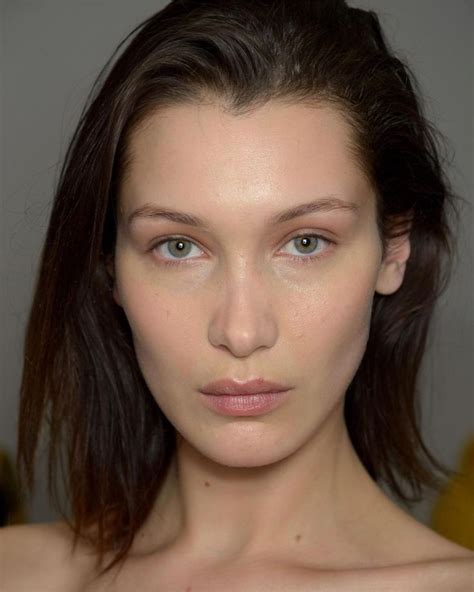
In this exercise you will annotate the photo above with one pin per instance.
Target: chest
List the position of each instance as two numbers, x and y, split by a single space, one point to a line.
277 577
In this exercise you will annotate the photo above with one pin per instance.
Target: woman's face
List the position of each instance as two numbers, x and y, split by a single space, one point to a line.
243 298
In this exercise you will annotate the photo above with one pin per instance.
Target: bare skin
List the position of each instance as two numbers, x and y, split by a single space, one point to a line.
38 557
243 304
279 501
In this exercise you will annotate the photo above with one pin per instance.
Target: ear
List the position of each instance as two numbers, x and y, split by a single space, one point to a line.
392 269
110 266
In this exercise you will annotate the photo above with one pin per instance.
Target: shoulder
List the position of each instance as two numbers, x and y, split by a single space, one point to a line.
438 575
39 556
437 564
453 574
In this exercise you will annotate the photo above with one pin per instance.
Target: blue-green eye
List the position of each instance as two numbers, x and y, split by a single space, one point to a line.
179 247
309 243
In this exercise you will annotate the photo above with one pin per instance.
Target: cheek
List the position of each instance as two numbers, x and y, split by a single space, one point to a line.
162 329
330 332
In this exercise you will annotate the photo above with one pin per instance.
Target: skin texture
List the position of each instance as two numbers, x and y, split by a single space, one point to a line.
242 303
279 501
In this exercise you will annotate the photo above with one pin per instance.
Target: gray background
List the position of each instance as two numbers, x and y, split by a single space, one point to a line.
50 53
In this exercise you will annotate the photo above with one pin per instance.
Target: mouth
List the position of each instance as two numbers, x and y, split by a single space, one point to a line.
256 386
244 404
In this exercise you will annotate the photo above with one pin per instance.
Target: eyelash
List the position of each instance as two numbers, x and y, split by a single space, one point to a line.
302 259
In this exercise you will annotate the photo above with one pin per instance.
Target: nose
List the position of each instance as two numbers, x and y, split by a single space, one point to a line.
244 320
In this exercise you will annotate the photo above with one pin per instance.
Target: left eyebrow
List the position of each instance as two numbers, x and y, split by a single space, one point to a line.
323 204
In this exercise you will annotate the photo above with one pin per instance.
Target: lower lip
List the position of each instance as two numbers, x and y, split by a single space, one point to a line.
244 405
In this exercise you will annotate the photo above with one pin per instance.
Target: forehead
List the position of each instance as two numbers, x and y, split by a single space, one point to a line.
188 153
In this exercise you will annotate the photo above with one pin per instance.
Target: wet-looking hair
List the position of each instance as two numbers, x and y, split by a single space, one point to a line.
108 440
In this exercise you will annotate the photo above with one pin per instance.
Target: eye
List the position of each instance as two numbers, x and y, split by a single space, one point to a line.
179 246
307 242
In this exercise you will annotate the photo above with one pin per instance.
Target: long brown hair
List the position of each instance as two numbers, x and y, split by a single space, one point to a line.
107 437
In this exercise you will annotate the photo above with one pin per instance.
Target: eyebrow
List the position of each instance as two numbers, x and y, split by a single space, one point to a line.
324 204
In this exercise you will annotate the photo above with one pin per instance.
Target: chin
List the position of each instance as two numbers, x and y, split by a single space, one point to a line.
246 451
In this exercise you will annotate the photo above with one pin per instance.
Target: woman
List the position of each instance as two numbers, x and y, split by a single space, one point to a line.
253 202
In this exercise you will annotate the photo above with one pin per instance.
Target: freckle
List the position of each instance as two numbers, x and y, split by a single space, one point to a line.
188 589
297 537
206 483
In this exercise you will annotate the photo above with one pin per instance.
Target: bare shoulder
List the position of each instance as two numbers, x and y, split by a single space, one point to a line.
437 564
440 575
39 556
463 573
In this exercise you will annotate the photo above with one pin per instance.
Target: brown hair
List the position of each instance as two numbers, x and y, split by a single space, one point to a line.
81 377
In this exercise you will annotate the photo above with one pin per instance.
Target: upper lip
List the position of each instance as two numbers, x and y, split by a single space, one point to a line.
229 386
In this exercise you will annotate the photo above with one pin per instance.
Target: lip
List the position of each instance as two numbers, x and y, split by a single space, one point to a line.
229 386
244 404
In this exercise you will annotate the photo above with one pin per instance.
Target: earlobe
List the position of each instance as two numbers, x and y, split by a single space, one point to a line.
393 267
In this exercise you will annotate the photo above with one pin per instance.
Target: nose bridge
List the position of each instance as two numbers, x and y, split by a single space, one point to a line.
245 279
244 319
244 285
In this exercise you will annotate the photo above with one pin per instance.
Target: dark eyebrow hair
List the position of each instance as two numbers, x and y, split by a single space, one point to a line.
324 204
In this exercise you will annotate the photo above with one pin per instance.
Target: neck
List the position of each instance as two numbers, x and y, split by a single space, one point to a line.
310 499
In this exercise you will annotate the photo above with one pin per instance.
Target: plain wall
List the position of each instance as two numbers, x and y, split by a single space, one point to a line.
50 53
